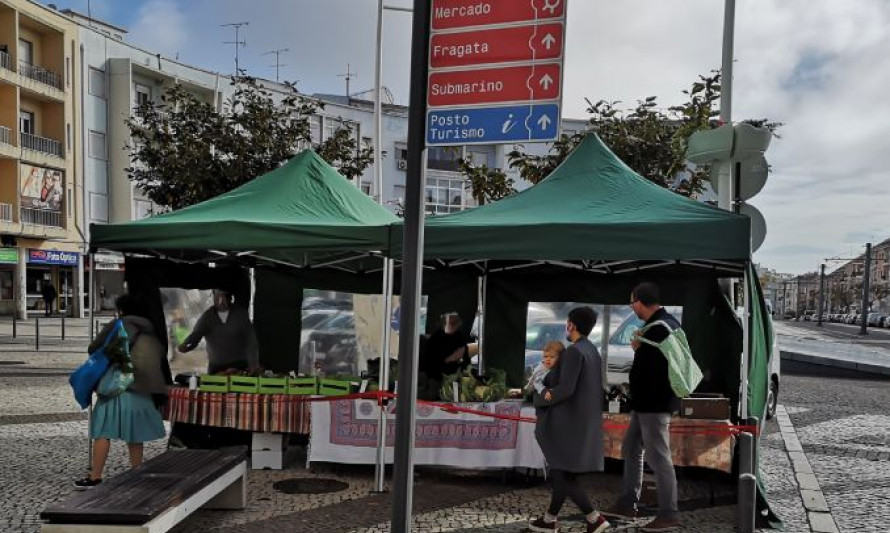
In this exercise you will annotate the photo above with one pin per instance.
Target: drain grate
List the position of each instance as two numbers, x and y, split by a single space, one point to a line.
309 486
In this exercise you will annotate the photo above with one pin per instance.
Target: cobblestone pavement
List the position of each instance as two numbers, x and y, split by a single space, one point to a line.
842 426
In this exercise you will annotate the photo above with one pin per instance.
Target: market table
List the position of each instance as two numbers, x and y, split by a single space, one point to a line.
345 431
263 413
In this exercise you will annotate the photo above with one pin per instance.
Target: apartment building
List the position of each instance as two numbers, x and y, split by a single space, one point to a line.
41 208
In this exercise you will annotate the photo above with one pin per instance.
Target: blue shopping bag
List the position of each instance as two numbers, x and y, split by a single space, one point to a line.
86 377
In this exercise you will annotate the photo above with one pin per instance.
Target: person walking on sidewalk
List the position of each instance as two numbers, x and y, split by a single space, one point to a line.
652 401
569 423
48 293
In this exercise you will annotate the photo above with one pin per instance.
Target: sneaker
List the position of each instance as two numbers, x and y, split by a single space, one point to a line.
662 524
623 513
599 525
542 526
86 483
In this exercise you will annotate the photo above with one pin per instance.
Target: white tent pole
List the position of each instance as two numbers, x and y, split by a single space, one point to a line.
484 301
380 469
604 341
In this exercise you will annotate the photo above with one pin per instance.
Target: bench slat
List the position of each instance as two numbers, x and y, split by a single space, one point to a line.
141 494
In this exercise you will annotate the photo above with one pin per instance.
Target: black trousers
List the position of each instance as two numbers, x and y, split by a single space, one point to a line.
565 485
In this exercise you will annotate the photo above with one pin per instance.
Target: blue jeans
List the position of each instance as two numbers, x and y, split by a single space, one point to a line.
649 432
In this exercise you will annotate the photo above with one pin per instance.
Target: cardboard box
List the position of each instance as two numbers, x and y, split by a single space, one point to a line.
211 383
267 442
335 387
273 385
248 384
705 408
267 460
302 385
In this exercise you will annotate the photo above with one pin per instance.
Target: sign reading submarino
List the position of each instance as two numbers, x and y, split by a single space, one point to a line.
495 71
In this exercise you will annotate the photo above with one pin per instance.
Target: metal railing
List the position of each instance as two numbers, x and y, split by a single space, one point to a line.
6 212
41 217
42 144
40 74
5 135
5 61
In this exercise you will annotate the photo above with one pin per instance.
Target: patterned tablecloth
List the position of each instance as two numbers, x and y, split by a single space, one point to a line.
701 443
346 432
267 413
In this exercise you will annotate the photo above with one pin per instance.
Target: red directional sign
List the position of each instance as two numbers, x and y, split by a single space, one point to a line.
495 85
450 14
531 42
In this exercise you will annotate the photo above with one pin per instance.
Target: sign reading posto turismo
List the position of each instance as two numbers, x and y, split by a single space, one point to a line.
495 71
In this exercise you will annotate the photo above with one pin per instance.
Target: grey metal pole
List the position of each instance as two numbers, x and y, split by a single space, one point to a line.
866 275
378 110
15 324
484 286
747 484
63 327
380 472
821 295
412 265
36 334
725 181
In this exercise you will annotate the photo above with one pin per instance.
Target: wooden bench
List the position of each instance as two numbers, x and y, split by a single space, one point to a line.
155 496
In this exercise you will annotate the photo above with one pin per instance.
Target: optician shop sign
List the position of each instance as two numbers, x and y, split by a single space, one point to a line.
52 257
9 256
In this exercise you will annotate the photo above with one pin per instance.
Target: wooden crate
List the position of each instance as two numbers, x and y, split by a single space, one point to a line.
248 384
211 383
273 385
335 387
302 385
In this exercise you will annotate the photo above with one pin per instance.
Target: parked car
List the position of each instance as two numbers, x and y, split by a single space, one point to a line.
789 314
874 319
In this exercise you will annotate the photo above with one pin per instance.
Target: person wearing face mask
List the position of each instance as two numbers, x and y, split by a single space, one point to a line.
447 351
231 339
569 427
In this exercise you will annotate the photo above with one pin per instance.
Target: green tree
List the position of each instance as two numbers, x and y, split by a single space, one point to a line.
651 140
485 184
185 151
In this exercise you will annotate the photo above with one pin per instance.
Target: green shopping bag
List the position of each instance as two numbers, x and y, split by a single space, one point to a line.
683 372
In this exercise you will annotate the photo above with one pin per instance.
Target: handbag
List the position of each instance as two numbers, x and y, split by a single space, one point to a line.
114 382
84 379
683 372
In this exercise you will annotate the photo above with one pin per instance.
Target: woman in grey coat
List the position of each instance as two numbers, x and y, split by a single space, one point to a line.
569 426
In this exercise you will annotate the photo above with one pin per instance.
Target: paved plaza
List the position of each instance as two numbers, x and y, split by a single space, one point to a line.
841 425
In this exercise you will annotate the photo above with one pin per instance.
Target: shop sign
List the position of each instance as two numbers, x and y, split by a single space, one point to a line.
9 256
52 257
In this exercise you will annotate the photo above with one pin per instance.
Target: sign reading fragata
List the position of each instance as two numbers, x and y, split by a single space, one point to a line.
495 71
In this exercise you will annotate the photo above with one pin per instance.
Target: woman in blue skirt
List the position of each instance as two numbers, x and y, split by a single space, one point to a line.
131 416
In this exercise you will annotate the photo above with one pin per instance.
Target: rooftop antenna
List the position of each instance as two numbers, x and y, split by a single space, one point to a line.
237 42
348 77
277 64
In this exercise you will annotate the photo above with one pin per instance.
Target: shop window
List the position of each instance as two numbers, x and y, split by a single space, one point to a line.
6 284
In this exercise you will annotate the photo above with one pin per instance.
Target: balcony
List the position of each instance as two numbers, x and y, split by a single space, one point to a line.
5 135
43 145
5 61
44 76
41 217
5 212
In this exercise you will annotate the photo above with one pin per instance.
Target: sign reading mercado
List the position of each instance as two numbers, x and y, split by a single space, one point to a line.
495 71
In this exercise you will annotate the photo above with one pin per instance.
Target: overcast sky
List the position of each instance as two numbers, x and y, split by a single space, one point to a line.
820 66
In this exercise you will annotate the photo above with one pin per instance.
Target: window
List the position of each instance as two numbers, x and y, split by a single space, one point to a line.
97 145
444 195
26 122
97 82
329 128
26 51
479 158
366 188
443 158
143 94
315 128
143 209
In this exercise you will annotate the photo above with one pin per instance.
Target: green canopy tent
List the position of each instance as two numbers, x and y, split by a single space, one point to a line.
303 216
590 231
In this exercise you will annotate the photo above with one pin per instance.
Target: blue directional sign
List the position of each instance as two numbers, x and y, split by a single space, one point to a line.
487 125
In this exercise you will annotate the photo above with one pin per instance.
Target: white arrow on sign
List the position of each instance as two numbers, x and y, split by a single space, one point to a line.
548 41
544 121
546 81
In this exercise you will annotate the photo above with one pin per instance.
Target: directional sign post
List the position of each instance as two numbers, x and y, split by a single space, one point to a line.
495 71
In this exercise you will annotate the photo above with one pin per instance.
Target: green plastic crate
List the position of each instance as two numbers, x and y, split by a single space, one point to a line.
273 385
211 383
248 384
335 387
302 385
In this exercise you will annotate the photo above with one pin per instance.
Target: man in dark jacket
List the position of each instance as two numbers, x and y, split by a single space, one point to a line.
49 294
652 402
231 339
569 426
